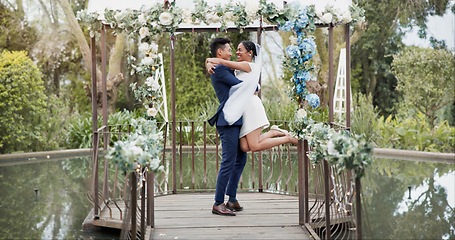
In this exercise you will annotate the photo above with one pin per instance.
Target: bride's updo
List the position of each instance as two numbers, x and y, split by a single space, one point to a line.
250 46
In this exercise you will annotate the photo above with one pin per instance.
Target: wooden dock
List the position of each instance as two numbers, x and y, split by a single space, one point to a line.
189 216
265 216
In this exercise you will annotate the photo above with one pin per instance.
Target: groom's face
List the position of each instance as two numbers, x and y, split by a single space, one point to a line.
225 52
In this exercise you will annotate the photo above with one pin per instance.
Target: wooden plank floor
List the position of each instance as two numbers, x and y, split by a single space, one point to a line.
265 216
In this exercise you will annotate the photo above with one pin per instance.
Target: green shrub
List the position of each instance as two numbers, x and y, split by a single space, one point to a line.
79 134
415 134
364 117
22 103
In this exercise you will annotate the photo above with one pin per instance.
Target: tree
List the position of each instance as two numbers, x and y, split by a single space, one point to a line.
387 22
425 79
22 103
15 32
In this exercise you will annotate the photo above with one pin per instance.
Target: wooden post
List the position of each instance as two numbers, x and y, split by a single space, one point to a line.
94 129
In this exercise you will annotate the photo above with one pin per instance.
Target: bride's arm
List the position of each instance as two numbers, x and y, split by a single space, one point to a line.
243 66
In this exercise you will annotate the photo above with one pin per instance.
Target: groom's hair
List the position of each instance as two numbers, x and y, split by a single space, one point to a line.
218 43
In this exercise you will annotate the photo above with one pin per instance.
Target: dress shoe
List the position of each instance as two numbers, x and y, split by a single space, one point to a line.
234 206
222 210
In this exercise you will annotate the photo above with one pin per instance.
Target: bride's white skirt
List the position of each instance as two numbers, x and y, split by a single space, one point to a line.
254 116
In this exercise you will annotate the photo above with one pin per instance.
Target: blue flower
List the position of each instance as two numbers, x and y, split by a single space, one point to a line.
302 75
287 26
293 51
299 89
307 57
308 45
313 100
301 21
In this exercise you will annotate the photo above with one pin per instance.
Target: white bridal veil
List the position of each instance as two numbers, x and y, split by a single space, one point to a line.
240 94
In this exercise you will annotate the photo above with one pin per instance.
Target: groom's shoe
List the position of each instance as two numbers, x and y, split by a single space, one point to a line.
222 210
234 206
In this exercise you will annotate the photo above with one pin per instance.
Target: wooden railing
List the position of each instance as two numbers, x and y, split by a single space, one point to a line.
326 199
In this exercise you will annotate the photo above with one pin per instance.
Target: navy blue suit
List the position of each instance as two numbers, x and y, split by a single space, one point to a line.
233 159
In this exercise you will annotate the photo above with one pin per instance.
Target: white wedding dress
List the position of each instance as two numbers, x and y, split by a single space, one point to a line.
244 102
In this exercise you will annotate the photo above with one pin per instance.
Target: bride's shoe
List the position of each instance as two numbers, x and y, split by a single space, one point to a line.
275 127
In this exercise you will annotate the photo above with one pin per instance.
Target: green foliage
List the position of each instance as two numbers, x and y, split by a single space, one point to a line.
79 134
364 117
22 103
415 134
372 54
426 79
15 31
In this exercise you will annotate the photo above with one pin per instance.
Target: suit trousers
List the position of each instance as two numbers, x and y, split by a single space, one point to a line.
233 161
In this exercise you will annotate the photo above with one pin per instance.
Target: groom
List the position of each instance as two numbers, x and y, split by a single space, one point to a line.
233 159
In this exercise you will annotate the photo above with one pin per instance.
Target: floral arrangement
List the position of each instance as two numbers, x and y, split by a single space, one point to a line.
141 149
342 149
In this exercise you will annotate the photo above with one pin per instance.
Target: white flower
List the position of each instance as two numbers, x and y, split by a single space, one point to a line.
153 47
212 18
346 17
165 18
144 47
293 40
186 16
151 112
151 82
228 16
147 61
301 114
327 18
144 32
331 148
142 19
318 13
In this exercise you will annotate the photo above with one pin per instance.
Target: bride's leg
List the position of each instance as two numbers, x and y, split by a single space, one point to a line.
244 144
255 142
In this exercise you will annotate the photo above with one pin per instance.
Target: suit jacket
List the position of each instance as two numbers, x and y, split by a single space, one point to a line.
222 80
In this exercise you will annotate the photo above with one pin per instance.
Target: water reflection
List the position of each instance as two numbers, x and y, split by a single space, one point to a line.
409 200
45 200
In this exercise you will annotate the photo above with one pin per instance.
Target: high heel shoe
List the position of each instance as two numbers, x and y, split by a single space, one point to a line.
275 127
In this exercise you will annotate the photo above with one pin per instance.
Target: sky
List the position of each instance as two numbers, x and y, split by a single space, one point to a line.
441 28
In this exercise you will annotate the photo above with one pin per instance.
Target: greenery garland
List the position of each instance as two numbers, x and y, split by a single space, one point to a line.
342 149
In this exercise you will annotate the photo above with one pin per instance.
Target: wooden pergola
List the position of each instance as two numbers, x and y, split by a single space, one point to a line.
259 28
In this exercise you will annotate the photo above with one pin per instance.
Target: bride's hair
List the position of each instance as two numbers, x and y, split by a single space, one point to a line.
250 46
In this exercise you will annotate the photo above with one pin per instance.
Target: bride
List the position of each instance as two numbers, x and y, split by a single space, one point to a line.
243 101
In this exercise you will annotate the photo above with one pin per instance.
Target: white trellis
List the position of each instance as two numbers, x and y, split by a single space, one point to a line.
339 99
162 106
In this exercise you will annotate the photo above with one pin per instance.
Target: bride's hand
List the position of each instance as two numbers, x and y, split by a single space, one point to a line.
210 67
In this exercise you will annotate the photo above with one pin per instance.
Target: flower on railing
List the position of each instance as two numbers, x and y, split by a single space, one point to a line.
342 149
141 150
349 151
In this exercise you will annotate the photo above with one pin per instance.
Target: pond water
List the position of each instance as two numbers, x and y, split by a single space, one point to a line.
402 200
46 200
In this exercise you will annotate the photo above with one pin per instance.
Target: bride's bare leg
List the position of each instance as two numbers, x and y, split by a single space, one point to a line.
244 144
256 142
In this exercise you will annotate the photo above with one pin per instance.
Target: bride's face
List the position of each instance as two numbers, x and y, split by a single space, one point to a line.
243 54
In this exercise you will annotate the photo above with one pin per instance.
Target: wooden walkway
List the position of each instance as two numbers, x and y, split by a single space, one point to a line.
265 216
